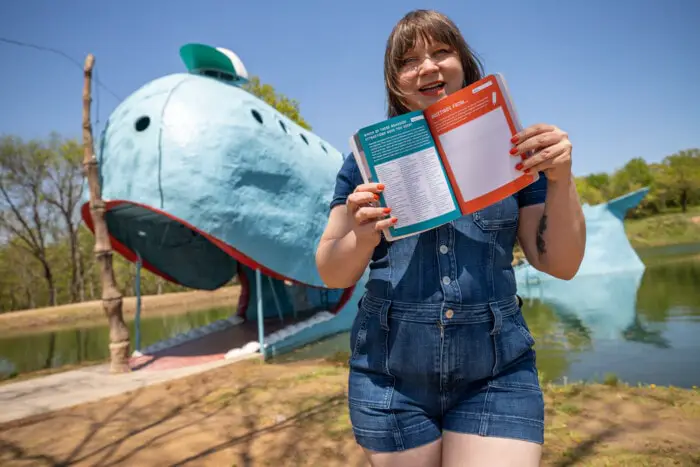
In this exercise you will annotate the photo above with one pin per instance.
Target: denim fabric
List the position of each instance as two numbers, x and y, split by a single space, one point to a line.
439 342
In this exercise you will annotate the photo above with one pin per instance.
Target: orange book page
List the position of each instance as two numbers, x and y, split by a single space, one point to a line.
472 129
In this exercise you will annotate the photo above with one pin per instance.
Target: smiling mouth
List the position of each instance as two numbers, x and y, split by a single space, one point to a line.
432 87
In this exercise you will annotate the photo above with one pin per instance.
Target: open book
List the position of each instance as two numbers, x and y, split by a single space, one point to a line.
449 160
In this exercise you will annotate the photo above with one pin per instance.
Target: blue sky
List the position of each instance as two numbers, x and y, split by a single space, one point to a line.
623 78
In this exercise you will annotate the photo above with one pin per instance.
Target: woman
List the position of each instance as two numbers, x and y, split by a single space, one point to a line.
442 371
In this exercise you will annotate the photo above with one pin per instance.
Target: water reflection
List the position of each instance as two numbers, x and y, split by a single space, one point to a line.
642 327
599 306
19 354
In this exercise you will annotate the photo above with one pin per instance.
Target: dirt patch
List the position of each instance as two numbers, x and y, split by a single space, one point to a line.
254 414
91 313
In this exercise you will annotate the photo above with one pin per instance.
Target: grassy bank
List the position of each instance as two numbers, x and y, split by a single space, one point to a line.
250 413
90 313
665 229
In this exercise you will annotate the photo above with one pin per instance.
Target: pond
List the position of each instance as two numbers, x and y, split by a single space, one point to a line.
639 328
40 351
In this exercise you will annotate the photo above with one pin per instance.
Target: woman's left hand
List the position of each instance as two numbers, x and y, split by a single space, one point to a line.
551 151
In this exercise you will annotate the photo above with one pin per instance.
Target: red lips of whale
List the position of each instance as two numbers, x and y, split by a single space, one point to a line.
228 249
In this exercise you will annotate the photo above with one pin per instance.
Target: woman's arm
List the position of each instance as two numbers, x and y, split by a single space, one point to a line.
341 258
553 234
353 229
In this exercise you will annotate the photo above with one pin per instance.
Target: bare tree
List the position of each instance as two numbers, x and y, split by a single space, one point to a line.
23 210
64 190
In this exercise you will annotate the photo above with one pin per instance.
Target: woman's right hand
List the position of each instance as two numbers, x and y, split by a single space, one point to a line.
367 219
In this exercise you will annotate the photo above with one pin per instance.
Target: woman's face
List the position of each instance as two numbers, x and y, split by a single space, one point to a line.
428 73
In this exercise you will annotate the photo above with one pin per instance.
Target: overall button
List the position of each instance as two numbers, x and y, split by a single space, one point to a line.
446 280
449 314
444 249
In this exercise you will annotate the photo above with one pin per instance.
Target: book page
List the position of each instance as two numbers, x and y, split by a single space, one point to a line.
401 154
473 128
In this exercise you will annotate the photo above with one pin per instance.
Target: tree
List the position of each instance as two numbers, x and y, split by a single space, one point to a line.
680 178
24 212
587 192
64 189
283 104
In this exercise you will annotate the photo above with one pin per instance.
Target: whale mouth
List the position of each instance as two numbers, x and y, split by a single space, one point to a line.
180 253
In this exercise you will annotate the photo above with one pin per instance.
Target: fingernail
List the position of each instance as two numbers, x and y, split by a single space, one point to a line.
394 220
380 186
519 166
376 196
527 171
514 139
514 151
387 210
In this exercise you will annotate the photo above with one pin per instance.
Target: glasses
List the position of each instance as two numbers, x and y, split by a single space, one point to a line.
413 64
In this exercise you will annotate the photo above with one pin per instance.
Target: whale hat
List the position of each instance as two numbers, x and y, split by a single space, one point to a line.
217 62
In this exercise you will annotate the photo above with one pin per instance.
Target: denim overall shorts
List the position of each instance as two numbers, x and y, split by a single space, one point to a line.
439 341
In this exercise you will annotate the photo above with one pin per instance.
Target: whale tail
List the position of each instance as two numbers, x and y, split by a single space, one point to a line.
619 206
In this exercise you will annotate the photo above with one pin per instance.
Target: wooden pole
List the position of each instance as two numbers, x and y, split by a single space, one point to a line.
111 296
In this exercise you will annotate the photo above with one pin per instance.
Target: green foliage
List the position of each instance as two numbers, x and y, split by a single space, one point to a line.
283 104
46 255
674 184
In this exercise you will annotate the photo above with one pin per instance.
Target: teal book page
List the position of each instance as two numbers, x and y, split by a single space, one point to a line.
401 154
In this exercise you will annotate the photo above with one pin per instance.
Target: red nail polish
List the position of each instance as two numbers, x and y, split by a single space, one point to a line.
394 220
376 196
514 151
387 210
380 186
514 139
527 171
519 166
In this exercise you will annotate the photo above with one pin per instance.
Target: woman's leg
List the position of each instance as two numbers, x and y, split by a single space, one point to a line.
499 425
394 398
428 455
466 450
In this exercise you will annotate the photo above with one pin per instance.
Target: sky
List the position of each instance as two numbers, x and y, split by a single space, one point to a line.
621 77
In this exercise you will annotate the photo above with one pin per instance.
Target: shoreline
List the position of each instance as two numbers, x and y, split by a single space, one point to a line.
91 314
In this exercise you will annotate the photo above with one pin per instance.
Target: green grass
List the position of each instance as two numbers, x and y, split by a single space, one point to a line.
664 229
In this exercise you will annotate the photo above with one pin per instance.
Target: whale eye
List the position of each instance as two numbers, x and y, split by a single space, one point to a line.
142 123
257 115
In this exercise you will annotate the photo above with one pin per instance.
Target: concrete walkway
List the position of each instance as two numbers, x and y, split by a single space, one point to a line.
60 390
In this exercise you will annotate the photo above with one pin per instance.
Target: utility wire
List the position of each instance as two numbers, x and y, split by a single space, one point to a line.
62 54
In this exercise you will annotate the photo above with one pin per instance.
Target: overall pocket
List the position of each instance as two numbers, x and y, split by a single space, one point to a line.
370 383
513 343
502 215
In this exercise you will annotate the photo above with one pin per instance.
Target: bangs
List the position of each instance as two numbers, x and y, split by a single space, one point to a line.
426 26
426 29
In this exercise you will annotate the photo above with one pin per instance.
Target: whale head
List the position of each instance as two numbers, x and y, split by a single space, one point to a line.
203 180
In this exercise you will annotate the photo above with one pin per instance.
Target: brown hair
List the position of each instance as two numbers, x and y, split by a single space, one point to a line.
427 25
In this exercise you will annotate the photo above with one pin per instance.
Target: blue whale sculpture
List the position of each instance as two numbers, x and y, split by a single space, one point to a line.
204 181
